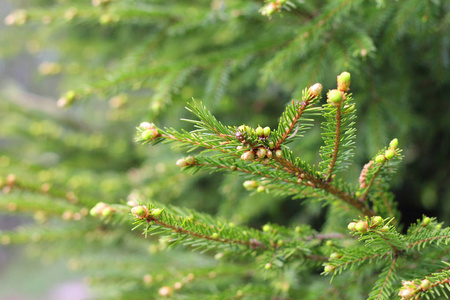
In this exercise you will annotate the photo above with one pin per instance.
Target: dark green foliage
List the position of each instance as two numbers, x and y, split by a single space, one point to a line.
248 67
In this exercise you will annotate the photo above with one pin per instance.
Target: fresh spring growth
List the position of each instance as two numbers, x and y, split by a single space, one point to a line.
361 226
393 144
380 159
259 131
156 212
389 154
315 90
426 221
377 220
261 152
101 209
334 97
140 212
250 185
248 156
184 162
149 134
329 268
351 226
425 285
343 81
335 255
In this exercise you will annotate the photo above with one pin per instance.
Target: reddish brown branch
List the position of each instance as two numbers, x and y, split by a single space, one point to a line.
388 275
292 124
337 140
322 184
252 243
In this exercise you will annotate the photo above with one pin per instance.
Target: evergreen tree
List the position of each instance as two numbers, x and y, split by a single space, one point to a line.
82 173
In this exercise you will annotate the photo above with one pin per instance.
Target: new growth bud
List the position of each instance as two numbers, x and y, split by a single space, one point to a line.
335 96
380 159
393 144
343 81
361 226
248 156
259 131
140 212
250 185
425 285
315 90
184 162
377 220
389 154
329 268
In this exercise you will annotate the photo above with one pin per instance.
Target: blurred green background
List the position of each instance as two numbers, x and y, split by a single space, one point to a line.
134 61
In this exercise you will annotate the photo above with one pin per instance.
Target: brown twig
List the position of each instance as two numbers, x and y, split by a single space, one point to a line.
337 141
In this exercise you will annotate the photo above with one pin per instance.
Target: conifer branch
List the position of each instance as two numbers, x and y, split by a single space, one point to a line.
336 144
291 120
372 180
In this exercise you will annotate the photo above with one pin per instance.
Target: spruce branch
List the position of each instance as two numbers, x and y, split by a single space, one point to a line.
293 113
338 129
383 288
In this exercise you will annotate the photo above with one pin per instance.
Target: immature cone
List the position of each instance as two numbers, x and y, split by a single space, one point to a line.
343 81
315 90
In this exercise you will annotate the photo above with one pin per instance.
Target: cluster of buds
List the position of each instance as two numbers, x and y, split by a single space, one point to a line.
142 212
410 289
101 209
246 135
18 17
149 131
67 99
272 7
336 96
375 222
184 162
389 153
262 133
252 185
